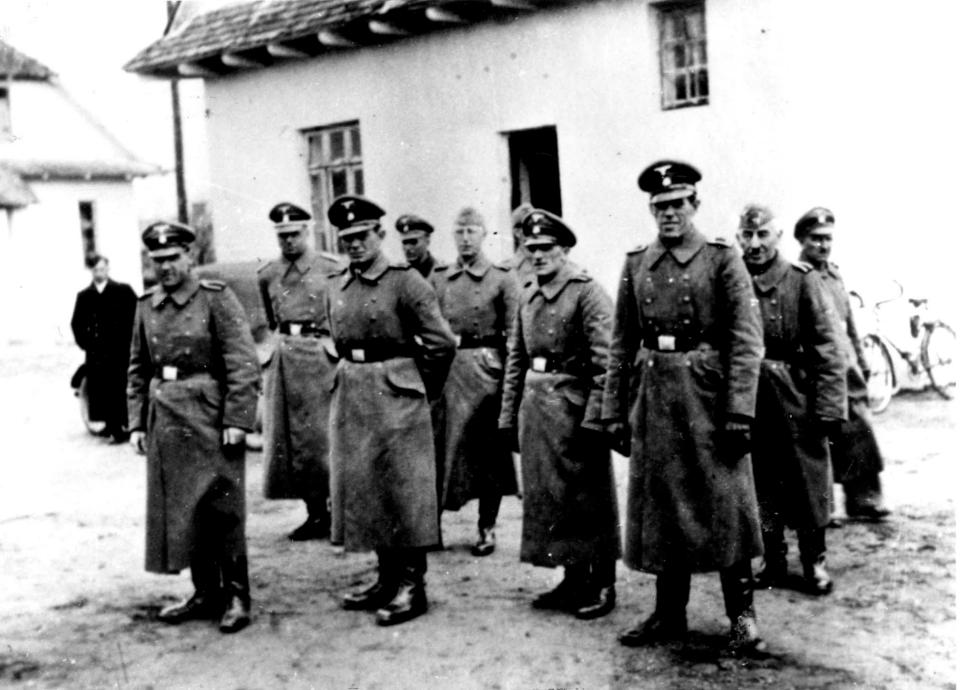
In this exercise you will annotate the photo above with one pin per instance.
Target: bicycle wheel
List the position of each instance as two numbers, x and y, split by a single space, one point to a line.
881 384
938 354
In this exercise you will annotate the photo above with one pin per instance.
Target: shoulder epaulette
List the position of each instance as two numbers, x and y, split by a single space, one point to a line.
440 267
149 292
330 256
264 266
802 266
399 265
505 265
212 285
581 276
720 242
639 248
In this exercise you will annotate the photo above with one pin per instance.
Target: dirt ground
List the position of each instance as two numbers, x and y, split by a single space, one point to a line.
77 609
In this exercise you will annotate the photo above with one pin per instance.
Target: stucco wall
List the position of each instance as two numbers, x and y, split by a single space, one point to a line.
795 113
43 252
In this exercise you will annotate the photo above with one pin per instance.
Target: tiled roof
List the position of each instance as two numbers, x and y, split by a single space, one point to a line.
246 29
16 65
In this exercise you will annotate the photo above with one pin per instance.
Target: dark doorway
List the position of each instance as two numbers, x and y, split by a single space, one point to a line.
535 168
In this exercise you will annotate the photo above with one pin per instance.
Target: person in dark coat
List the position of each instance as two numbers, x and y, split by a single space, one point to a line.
415 234
192 395
679 400
802 394
553 385
395 350
102 323
479 300
300 372
854 451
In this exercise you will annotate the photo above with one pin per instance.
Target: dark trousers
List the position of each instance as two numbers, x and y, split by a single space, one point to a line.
402 565
218 562
673 592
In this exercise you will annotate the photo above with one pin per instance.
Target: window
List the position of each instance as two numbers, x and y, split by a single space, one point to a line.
88 230
4 111
535 168
335 167
683 55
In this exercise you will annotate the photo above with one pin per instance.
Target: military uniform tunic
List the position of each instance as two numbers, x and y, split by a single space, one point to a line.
395 348
193 372
685 356
855 453
552 393
480 303
802 381
298 377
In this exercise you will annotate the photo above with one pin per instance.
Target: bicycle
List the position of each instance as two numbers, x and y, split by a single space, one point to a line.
926 356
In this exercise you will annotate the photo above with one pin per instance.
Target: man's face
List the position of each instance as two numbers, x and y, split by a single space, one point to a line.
100 271
547 258
172 267
469 239
416 245
759 245
674 217
816 245
292 241
363 246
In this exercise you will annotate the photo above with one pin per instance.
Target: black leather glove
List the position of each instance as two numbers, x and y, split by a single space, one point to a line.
618 437
510 438
734 441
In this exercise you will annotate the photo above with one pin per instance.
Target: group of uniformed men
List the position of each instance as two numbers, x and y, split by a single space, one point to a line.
398 390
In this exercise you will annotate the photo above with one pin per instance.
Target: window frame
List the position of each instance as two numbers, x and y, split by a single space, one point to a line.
695 70
324 164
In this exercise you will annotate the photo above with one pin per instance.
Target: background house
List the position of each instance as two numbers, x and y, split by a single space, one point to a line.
65 192
430 105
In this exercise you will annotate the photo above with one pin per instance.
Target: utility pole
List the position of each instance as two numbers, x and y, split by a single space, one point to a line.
182 214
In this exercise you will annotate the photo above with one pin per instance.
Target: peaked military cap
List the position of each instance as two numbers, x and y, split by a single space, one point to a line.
164 235
351 214
755 216
469 217
814 218
409 222
541 227
285 213
667 180
519 213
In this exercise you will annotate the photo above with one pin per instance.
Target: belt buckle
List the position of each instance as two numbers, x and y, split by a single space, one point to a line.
666 343
358 355
168 373
295 328
459 338
539 364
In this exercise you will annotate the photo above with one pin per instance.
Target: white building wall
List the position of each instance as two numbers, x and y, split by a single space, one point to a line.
41 284
432 111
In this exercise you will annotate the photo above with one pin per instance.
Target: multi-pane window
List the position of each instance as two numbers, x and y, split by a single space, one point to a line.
4 111
335 167
683 55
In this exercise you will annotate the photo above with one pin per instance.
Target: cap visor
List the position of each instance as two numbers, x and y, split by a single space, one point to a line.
290 226
169 250
357 229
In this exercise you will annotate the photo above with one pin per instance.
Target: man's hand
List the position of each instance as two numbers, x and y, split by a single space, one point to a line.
618 437
232 436
734 441
138 440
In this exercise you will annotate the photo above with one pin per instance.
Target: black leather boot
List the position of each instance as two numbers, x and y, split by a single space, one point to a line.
410 599
737 584
381 592
602 593
486 542
668 623
317 524
236 581
813 556
773 571
206 602
570 594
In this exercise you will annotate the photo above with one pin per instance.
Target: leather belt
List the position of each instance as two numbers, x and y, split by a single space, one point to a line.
466 341
546 364
305 328
168 372
665 342
364 353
